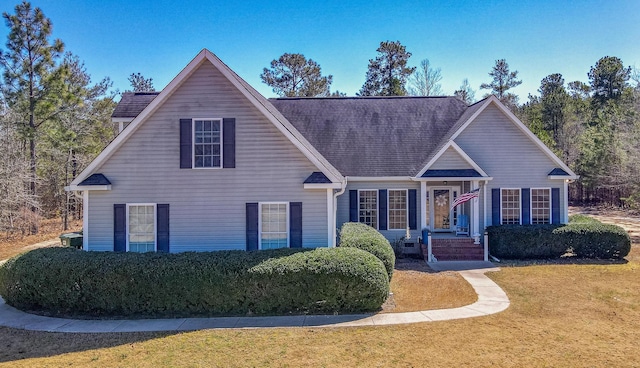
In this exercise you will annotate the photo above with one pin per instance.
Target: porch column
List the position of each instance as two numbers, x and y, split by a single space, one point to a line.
475 211
423 206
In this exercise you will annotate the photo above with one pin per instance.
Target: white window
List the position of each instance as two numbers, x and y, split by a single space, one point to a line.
541 206
141 228
397 209
368 207
207 143
274 225
510 206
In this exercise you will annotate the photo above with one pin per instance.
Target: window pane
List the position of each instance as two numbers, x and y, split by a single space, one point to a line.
368 207
397 209
540 206
273 227
207 144
510 206
141 230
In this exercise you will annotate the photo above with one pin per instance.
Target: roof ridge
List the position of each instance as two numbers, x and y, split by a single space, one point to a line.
357 97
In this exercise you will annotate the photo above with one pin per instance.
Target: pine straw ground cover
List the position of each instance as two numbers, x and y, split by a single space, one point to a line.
569 315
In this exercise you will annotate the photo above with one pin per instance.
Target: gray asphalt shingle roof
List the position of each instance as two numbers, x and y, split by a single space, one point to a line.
132 103
559 172
373 136
96 179
317 178
456 173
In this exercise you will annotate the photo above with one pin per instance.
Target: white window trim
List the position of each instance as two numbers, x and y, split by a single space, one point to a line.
193 144
406 210
377 205
155 223
519 200
260 223
531 204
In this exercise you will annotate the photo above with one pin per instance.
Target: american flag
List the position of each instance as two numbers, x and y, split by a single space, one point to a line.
465 197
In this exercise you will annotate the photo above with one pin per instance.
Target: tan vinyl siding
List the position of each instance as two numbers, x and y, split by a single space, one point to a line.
505 153
343 204
207 206
450 160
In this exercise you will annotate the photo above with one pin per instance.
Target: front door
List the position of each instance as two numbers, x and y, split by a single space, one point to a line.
440 207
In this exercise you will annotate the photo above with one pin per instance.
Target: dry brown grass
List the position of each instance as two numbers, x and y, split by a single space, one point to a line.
585 315
569 315
11 245
415 287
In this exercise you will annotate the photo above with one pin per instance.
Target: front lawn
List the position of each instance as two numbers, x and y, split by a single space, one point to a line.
568 315
578 315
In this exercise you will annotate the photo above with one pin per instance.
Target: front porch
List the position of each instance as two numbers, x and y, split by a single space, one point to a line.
448 247
451 228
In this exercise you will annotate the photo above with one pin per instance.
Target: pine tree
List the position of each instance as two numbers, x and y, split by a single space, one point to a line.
388 72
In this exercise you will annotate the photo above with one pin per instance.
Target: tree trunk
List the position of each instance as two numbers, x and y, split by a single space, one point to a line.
33 178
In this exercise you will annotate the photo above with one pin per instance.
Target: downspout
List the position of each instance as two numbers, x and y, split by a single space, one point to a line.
335 209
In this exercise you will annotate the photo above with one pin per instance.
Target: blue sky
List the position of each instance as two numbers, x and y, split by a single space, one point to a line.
463 38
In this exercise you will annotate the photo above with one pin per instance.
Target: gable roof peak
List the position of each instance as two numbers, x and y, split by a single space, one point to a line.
253 96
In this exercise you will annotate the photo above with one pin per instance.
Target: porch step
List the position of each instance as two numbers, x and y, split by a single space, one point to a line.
456 249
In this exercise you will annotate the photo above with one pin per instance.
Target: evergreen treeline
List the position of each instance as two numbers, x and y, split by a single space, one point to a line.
53 122
595 128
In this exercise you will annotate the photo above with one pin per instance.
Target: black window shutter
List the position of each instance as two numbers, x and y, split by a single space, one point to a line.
162 211
353 206
185 144
119 228
495 206
555 205
413 210
229 142
526 206
382 209
295 224
252 226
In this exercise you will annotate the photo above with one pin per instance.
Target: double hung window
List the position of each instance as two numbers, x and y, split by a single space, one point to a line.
510 206
207 143
397 209
274 225
541 206
141 226
368 207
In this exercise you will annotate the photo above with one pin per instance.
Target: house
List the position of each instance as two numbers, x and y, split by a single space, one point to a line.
210 164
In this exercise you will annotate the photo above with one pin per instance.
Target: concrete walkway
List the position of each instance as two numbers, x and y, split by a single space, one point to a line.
491 299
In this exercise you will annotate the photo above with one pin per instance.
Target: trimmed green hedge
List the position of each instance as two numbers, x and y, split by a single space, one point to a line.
584 236
596 240
66 281
361 236
525 242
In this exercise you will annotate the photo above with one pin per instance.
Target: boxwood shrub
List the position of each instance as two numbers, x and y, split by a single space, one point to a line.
585 237
361 236
65 281
596 240
525 242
